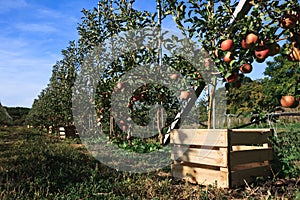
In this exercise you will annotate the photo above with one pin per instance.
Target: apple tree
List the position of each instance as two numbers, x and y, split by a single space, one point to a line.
237 34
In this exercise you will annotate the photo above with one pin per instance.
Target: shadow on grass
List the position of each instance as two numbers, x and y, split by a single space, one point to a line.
31 162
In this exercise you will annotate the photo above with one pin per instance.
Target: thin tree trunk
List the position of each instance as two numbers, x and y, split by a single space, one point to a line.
212 92
211 112
159 46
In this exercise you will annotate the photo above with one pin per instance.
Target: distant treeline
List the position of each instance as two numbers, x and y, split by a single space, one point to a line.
16 116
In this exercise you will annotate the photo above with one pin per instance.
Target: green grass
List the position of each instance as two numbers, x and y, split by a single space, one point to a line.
37 166
34 165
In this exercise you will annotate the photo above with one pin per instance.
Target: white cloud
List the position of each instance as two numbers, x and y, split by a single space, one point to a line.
35 27
24 70
7 5
31 41
15 95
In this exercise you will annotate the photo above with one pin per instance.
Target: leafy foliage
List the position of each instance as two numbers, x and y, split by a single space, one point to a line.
209 23
287 152
18 114
249 98
283 78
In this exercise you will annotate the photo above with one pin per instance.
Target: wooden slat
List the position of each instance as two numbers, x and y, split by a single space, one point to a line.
249 175
249 165
249 147
201 176
201 156
251 130
249 136
207 137
249 156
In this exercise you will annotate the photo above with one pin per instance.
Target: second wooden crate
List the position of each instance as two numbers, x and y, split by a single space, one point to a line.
226 157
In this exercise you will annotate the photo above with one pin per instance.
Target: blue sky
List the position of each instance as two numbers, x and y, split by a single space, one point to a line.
33 33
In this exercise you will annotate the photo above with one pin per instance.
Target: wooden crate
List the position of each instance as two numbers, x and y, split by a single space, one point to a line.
226 157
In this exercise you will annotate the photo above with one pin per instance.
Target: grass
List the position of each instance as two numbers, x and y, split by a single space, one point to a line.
34 165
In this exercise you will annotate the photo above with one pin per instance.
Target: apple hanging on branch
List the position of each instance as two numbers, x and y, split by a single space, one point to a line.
246 68
288 101
227 45
250 34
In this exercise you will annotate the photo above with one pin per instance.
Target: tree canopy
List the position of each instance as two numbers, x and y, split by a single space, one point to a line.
260 30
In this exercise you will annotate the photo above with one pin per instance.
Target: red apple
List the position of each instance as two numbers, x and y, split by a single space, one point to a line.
246 68
262 52
174 76
228 57
124 128
244 44
207 62
120 85
227 45
135 98
287 101
232 78
122 122
184 95
251 39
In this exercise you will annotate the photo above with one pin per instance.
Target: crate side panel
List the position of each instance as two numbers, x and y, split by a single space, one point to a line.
239 177
205 137
201 156
250 156
201 176
248 137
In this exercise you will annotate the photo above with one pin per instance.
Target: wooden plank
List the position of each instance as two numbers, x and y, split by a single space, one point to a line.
249 165
249 175
206 137
201 156
263 130
201 176
249 136
249 156
247 147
